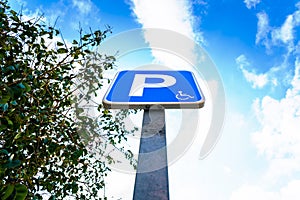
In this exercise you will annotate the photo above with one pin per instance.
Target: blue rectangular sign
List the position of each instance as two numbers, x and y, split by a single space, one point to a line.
143 89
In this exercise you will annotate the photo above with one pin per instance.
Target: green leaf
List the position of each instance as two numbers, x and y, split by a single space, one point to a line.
9 190
21 192
52 197
27 87
4 107
87 51
79 111
4 99
17 136
60 44
105 112
12 68
21 85
9 121
4 151
14 103
3 127
12 164
62 50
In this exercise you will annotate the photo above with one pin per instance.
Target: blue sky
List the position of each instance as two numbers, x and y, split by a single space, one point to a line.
255 47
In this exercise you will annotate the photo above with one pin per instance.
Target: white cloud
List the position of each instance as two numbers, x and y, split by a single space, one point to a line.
296 14
280 168
262 27
278 138
257 80
172 15
251 3
83 6
277 36
285 32
168 14
227 170
295 81
250 192
287 29
289 191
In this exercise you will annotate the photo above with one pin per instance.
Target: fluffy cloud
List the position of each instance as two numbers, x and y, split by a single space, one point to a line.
280 119
291 191
295 82
273 36
262 27
257 80
248 192
251 3
285 32
168 14
83 6
278 138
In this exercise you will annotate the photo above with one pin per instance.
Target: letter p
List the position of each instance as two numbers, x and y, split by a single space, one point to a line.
139 83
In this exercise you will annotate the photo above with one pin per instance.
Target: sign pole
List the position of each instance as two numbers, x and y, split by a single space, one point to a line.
165 89
151 182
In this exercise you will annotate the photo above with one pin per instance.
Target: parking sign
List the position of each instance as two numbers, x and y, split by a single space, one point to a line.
143 89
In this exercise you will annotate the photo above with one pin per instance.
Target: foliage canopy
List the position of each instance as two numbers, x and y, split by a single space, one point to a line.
44 132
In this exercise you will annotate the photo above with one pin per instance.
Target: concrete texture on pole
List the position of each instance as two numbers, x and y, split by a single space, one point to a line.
151 181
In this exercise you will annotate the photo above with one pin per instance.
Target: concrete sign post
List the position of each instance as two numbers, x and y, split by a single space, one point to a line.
152 184
153 91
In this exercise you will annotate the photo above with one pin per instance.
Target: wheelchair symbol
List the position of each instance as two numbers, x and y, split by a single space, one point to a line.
181 96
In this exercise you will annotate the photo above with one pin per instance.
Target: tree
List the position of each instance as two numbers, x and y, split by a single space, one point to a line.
44 131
